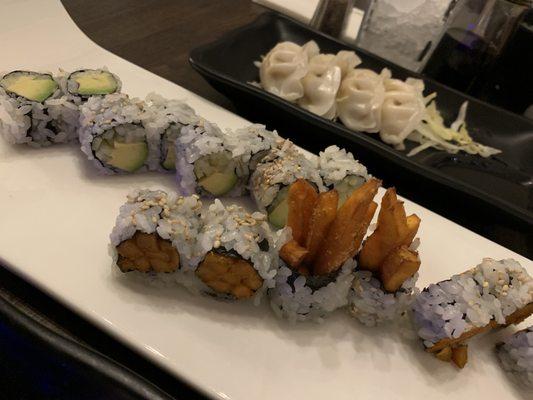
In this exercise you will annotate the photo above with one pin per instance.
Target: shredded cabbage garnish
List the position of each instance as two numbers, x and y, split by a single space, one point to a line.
432 132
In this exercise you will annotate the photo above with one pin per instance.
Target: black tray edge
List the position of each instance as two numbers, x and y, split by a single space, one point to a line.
119 374
383 149
120 362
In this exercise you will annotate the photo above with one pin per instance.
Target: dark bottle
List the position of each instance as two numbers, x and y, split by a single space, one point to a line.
487 51
458 59
508 81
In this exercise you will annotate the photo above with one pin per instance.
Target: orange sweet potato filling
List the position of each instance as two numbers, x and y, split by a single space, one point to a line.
147 252
229 275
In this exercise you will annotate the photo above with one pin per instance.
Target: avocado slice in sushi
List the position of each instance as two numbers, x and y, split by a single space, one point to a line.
216 173
30 85
279 209
127 157
219 183
170 160
91 82
346 186
168 146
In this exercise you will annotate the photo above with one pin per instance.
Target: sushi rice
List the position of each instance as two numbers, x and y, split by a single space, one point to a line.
493 290
516 356
252 143
163 121
233 231
372 305
116 118
299 298
202 152
270 181
341 171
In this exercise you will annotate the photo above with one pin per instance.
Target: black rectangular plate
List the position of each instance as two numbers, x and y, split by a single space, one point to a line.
501 185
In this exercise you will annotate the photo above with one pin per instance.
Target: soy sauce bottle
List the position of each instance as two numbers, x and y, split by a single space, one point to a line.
487 51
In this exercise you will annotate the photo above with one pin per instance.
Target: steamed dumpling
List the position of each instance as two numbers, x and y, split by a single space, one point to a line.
360 97
283 68
321 84
346 61
402 111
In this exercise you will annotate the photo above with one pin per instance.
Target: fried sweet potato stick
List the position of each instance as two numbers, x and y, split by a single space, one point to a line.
364 228
322 217
340 240
301 198
292 253
515 318
400 265
460 356
390 233
413 223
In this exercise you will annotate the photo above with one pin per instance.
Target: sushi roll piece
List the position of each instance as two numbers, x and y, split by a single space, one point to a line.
269 183
164 121
492 294
384 286
205 164
341 171
516 356
300 297
85 83
155 232
319 263
372 305
252 144
76 88
112 135
24 110
238 253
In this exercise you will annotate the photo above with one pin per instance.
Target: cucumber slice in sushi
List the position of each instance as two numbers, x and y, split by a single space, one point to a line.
30 85
346 186
168 146
216 173
279 209
91 82
115 152
170 160
219 183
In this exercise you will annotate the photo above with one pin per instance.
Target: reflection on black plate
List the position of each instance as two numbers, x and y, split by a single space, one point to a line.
502 184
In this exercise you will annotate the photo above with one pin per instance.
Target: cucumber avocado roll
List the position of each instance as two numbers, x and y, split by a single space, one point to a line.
28 112
274 174
216 173
39 109
91 82
165 119
29 85
340 171
112 134
252 143
205 165
123 148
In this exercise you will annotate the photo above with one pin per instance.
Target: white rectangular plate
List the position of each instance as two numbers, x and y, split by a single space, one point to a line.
56 215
